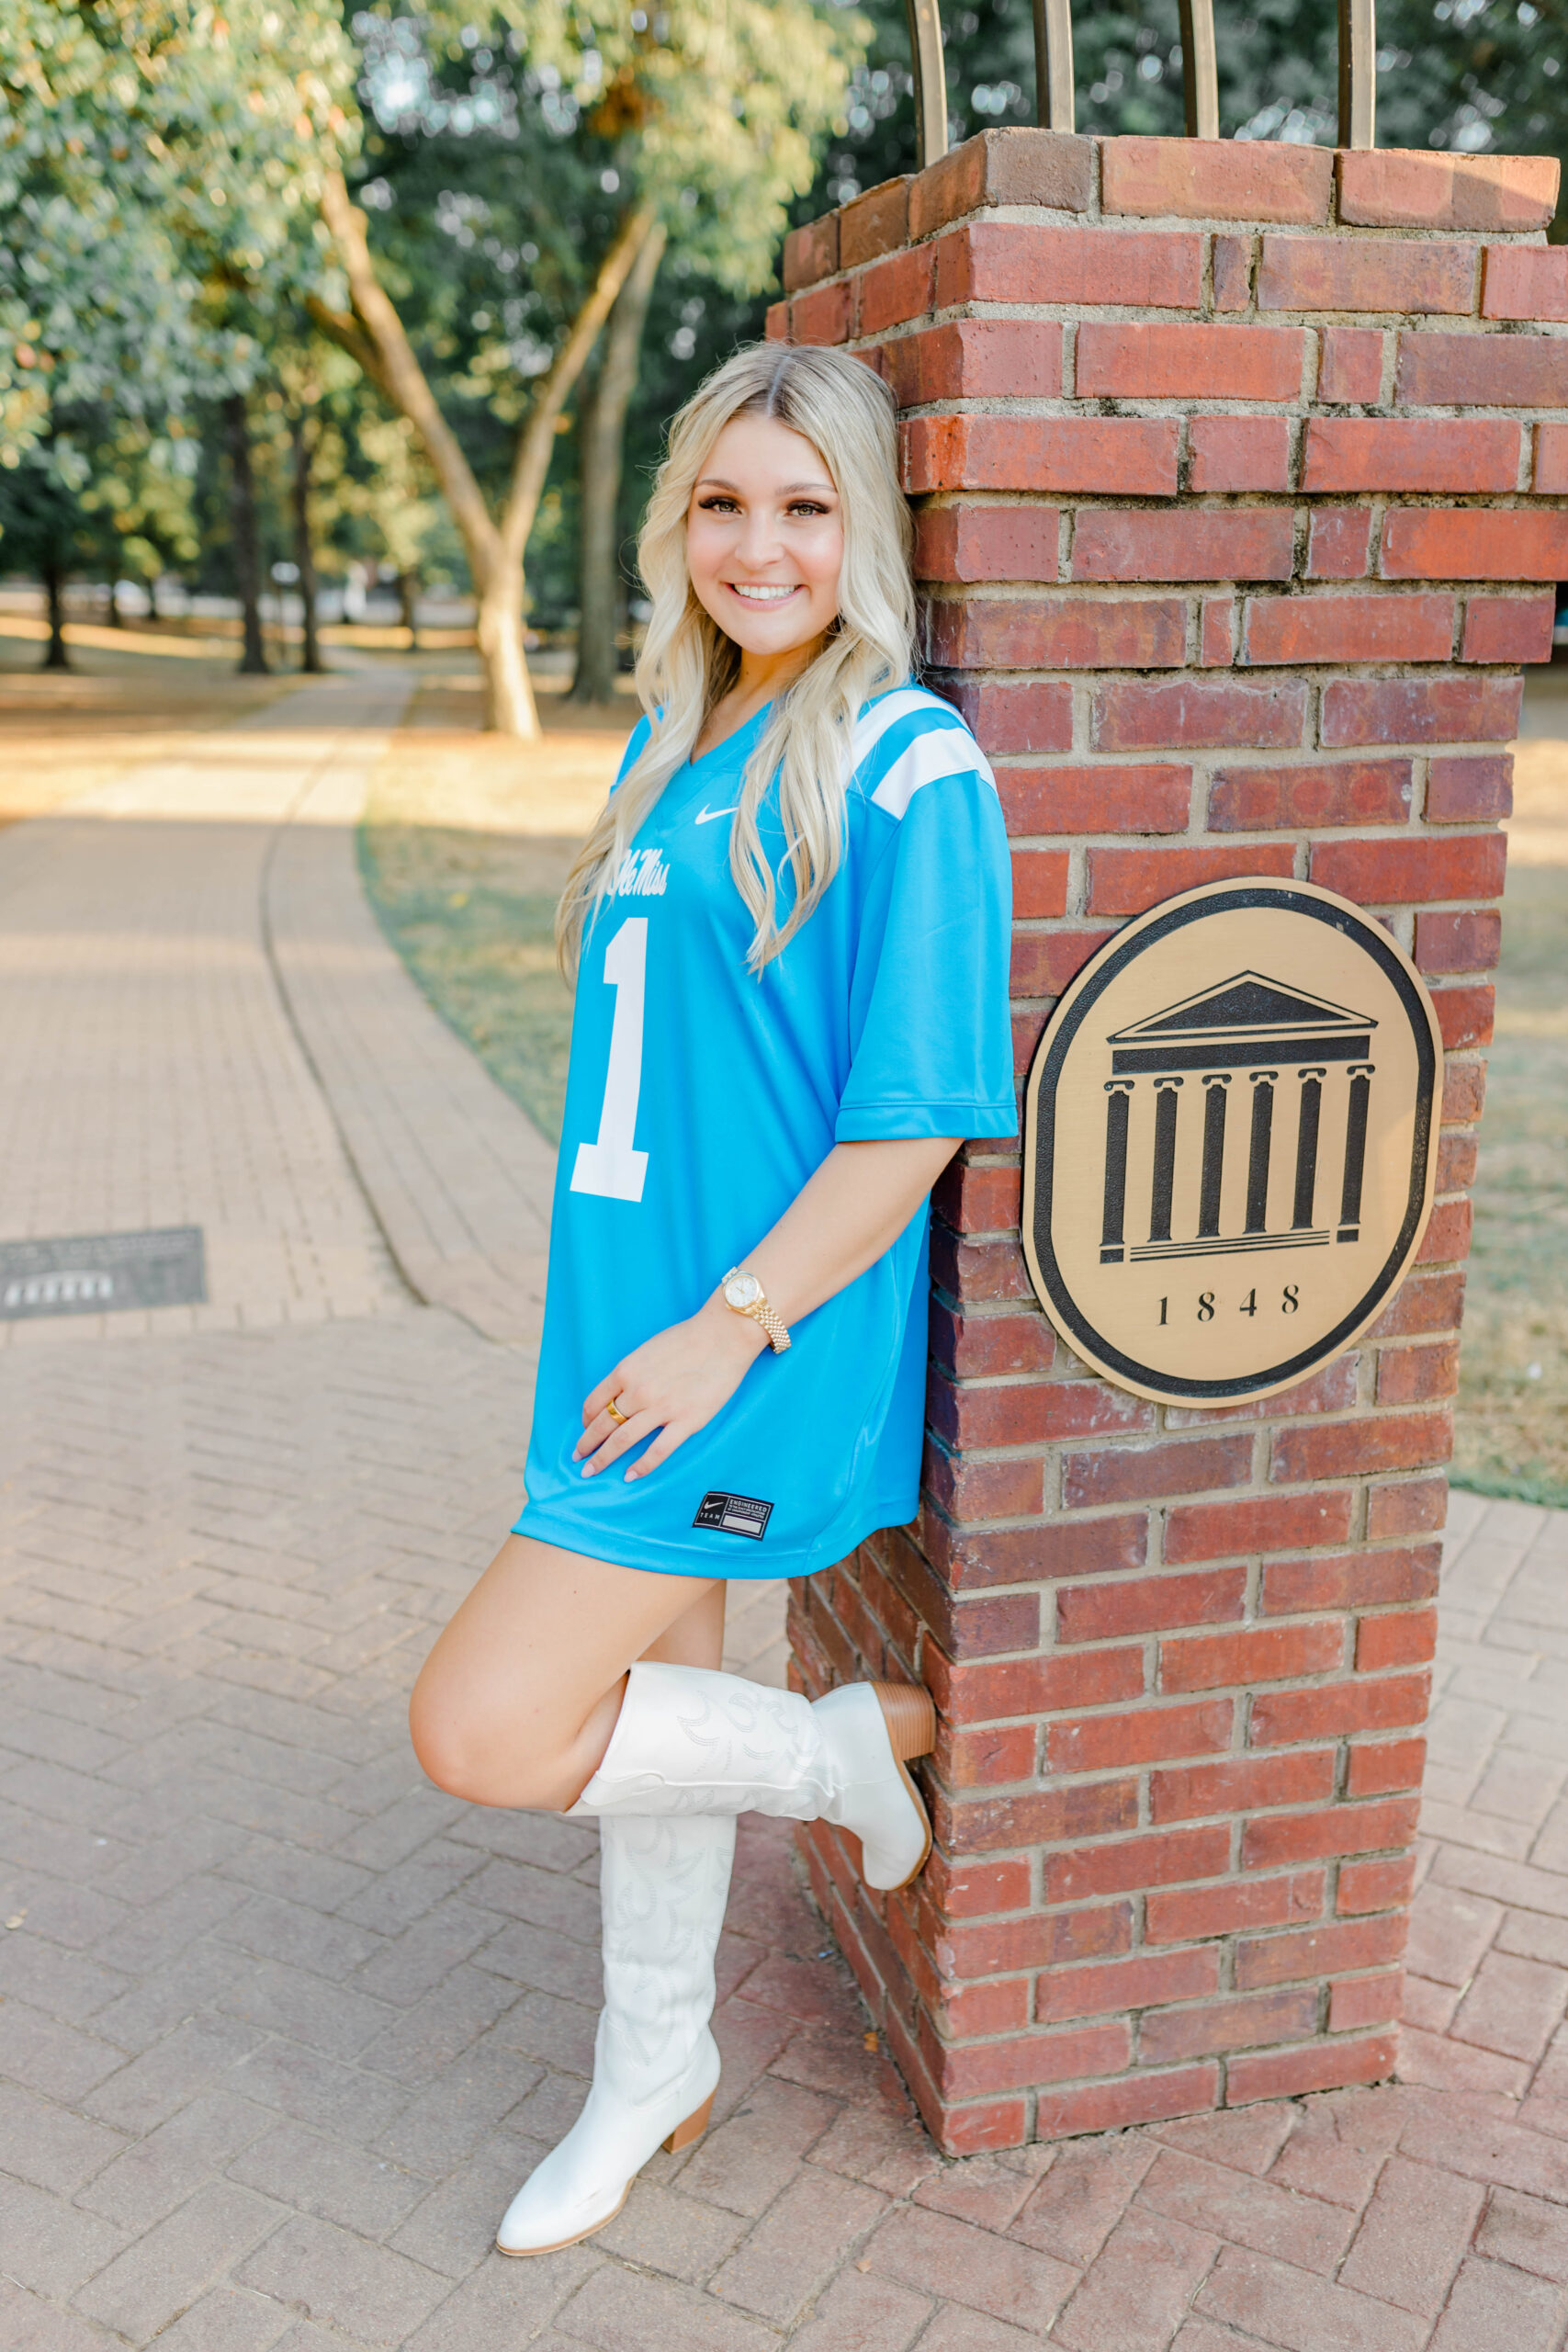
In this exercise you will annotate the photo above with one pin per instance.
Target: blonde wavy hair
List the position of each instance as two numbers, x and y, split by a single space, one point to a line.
687 663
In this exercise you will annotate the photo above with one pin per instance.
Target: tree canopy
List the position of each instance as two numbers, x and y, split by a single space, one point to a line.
521 164
509 186
157 157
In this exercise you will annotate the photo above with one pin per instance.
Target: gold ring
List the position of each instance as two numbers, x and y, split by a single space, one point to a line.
614 1412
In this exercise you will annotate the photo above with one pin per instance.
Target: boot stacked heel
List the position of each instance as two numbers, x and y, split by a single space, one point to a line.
697 2123
909 1712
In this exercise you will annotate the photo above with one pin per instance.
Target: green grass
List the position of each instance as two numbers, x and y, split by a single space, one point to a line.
463 849
1512 1429
484 956
1513 1416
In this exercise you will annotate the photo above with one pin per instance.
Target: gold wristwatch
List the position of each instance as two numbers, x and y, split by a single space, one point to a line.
746 1295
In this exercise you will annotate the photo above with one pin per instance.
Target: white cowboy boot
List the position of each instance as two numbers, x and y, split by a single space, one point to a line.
663 1886
688 1740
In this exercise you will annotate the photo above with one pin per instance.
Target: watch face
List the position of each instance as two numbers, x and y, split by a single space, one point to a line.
742 1290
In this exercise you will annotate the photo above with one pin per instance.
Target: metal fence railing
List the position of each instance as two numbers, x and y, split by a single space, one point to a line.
1201 91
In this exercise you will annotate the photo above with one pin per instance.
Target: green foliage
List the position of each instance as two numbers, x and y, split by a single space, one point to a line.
710 110
93 297
503 150
156 158
42 524
160 162
375 492
141 498
1471 77
503 153
1461 75
483 238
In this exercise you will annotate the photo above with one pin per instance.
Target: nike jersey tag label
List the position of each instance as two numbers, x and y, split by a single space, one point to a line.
706 815
734 1515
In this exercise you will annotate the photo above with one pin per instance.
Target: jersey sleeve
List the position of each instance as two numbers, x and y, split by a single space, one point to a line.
931 1030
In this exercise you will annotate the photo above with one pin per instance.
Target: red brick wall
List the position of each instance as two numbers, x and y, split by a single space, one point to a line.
1236 511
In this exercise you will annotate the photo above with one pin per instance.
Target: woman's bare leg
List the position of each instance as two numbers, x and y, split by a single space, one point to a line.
515 1703
696 1638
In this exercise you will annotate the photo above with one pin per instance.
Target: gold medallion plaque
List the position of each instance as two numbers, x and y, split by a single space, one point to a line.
1229 1140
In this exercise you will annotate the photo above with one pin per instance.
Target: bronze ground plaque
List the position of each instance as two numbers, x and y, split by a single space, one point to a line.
1230 1133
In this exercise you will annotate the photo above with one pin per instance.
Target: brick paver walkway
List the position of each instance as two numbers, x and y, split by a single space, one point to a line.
281 2027
149 1072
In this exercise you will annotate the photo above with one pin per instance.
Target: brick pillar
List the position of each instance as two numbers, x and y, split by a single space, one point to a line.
1234 513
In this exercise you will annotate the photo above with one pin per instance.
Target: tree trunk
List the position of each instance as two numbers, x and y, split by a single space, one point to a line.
375 337
116 618
304 561
242 525
602 440
57 653
152 612
408 605
509 694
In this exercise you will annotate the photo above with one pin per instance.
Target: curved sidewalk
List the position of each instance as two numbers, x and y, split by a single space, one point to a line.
459 1178
208 1028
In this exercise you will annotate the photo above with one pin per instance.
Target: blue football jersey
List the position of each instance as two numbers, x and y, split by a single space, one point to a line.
702 1095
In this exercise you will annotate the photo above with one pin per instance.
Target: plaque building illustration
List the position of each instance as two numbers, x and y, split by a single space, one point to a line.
1228 1051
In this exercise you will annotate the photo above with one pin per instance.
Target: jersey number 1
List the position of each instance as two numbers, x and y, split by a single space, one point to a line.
610 1166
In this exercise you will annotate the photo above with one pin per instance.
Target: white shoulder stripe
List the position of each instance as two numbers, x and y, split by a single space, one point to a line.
886 711
948 750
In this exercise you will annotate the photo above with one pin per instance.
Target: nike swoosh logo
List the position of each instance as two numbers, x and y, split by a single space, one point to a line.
706 815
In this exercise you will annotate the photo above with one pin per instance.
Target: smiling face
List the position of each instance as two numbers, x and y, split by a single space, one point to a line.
765 541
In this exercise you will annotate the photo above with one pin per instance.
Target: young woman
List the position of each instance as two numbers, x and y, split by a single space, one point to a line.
790 931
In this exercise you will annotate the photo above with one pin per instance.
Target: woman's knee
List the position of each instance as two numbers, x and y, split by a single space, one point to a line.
516 1702
501 1745
465 1767
465 1749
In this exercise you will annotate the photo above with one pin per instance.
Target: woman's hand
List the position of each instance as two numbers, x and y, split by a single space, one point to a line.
674 1383
843 1218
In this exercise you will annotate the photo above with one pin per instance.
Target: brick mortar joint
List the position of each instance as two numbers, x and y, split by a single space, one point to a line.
1131 1442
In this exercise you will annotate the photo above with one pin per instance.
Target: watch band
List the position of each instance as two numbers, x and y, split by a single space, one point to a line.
757 1309
774 1325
